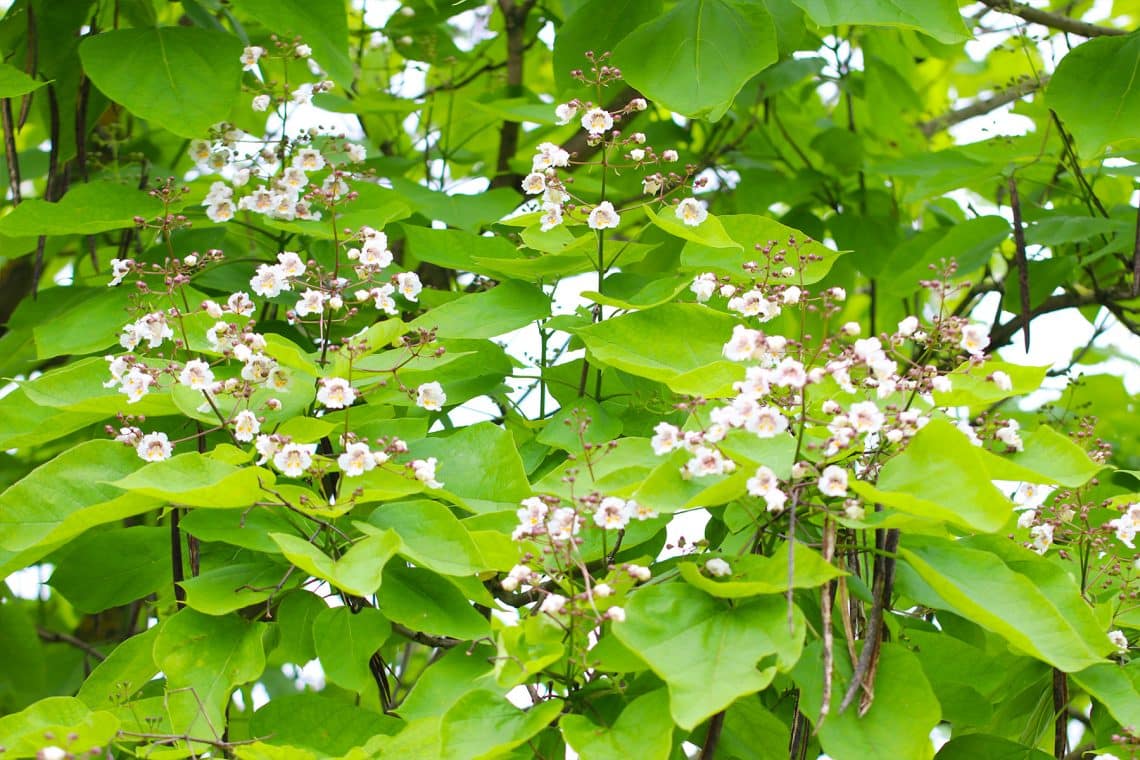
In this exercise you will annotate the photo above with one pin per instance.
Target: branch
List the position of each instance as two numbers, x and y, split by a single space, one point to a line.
1058 21
983 106
55 637
1001 335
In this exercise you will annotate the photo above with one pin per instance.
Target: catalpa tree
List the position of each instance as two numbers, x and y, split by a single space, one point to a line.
701 378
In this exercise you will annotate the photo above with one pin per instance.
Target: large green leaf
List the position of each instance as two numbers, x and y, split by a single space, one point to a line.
358 572
431 536
643 730
106 569
661 343
484 725
24 679
900 719
1117 687
1025 599
481 465
235 585
321 723
695 58
346 642
706 649
85 209
1095 92
423 601
973 746
596 26
126 670
14 83
941 476
66 720
753 574
504 308
938 18
323 26
197 480
64 497
446 680
182 78
204 659
749 230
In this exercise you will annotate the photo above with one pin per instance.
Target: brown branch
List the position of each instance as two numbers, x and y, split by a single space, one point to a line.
437 642
1020 257
1001 335
1061 715
1136 256
1058 21
712 738
514 18
10 154
864 675
982 106
55 637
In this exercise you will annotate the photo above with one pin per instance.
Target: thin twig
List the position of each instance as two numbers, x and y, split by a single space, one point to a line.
825 604
982 106
712 738
55 637
1020 257
1056 21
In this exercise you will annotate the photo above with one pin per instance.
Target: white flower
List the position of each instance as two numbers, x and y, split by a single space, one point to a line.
637 154
154 447
603 590
639 573
611 514
774 501
291 263
670 156
763 482
640 511
638 104
1009 435
638 137
51 752
261 102
408 283
603 217
293 459
651 184
269 281
1119 640
1001 380
534 183
718 568
135 384
975 339
767 422
532 515
118 366
833 481
1031 495
518 575
356 460
424 470
908 326
303 51
1027 518
430 396
865 417
196 375
1127 525
941 383
852 329
553 604
249 57
691 211
153 328
744 344
551 216
246 426
754 304
266 446
120 268
792 295
789 373
704 285
257 368
335 393
311 302
667 438
565 112
356 153
549 155
597 121
309 160
383 298
1042 537
705 462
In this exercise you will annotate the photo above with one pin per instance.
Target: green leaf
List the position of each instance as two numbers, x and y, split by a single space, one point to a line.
643 730
182 78
709 233
1094 91
973 746
938 18
596 26
484 725
104 570
78 387
1055 457
584 421
346 642
197 480
754 574
752 229
1117 687
901 689
941 476
358 572
527 649
320 723
66 719
85 209
969 386
14 83
431 536
505 307
697 57
467 212
231 587
204 659
24 678
446 680
423 601
970 243
661 343
323 26
1023 598
126 670
295 616
705 649
90 323
64 497
481 465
